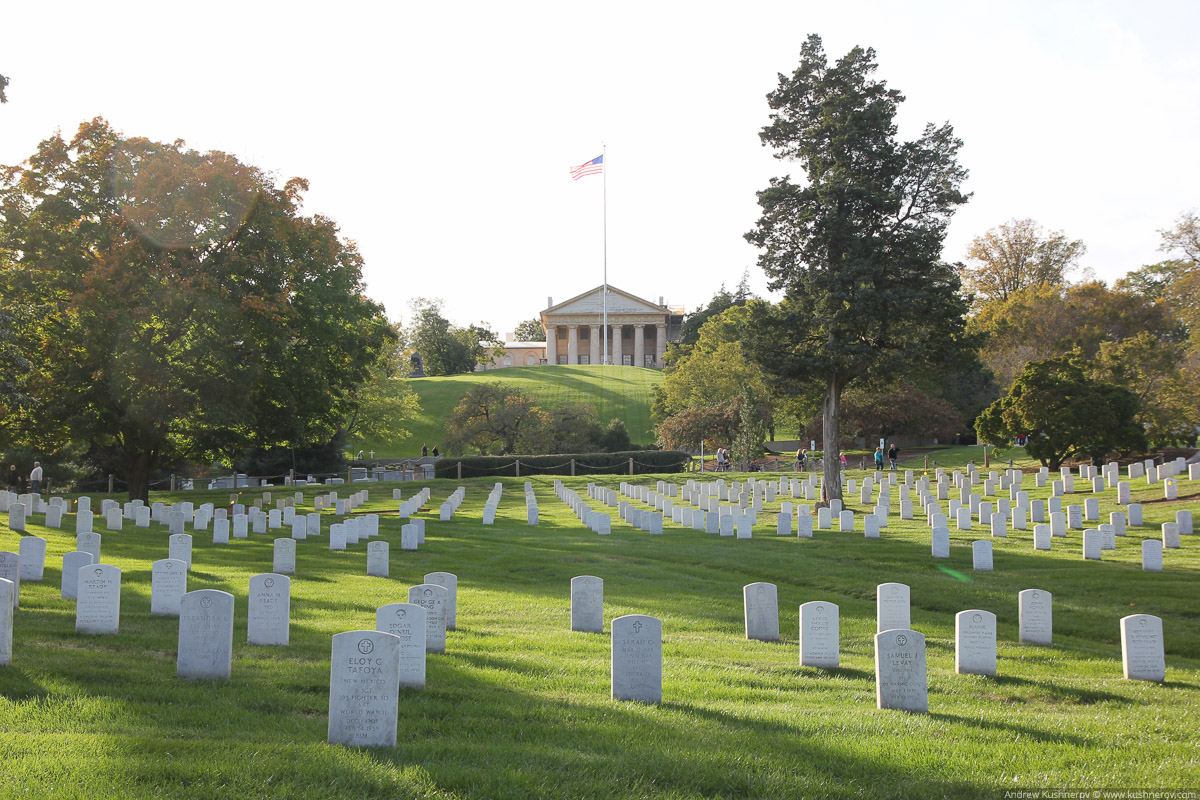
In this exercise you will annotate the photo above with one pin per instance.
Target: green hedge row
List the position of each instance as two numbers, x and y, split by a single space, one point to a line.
644 461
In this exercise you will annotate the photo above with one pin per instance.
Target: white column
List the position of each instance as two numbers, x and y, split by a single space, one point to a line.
552 345
639 345
594 343
616 345
660 343
573 344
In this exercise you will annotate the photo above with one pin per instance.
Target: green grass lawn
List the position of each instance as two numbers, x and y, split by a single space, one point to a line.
622 392
958 456
519 705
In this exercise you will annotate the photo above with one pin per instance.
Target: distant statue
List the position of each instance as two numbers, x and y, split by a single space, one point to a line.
417 371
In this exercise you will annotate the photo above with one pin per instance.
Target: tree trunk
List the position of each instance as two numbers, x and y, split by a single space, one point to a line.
137 475
829 430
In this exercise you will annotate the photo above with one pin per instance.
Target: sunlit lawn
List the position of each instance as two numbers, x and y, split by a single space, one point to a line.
519 705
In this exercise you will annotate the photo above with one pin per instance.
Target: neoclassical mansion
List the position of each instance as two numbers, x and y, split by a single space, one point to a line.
638 332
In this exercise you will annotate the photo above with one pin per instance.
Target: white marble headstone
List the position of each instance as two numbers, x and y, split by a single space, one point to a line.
72 561
89 543
432 598
98 604
205 635
406 621
892 607
637 658
1142 650
168 585
378 556
760 602
981 553
7 591
1152 555
819 635
900 679
269 612
32 551
450 581
975 642
1035 610
364 688
180 546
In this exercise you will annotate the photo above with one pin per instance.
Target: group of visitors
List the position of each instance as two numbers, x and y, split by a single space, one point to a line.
425 451
892 453
16 483
802 458
724 462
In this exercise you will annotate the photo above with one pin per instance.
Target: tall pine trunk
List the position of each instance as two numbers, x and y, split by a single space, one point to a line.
829 431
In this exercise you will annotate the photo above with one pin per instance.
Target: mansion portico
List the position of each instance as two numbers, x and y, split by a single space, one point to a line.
638 330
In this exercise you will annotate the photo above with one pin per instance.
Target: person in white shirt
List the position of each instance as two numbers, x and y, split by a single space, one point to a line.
35 477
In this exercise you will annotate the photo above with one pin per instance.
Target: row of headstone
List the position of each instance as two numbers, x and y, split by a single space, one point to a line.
450 504
413 504
412 534
596 521
492 503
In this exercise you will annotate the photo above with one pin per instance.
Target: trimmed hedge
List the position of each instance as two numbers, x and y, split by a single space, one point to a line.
644 461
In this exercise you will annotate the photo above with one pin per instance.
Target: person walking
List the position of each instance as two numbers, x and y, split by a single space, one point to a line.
424 450
893 453
35 477
802 460
435 451
14 478
879 458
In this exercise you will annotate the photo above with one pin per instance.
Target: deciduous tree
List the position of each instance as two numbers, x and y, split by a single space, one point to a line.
1064 414
1017 255
530 331
176 304
856 248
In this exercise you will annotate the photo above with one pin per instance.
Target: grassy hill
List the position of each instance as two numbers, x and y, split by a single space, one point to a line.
622 392
518 706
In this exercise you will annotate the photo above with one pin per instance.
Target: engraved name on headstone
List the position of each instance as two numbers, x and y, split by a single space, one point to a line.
892 607
364 687
432 598
98 604
1142 650
587 604
406 621
269 613
900 679
1036 615
168 585
819 635
975 642
760 603
637 658
205 635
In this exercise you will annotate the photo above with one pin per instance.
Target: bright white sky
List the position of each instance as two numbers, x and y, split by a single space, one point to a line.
439 135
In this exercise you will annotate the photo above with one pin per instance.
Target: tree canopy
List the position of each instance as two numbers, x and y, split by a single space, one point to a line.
175 305
1064 414
530 331
856 248
445 348
1017 255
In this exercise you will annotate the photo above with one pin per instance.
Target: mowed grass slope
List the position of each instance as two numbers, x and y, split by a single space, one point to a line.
519 705
622 392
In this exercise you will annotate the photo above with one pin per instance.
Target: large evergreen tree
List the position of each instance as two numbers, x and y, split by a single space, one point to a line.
856 247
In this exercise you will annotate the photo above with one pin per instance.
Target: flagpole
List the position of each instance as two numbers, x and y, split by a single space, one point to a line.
604 296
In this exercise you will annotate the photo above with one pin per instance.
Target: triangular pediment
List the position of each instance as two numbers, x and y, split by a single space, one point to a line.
619 302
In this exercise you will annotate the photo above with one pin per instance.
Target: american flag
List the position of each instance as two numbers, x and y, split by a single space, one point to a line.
593 167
